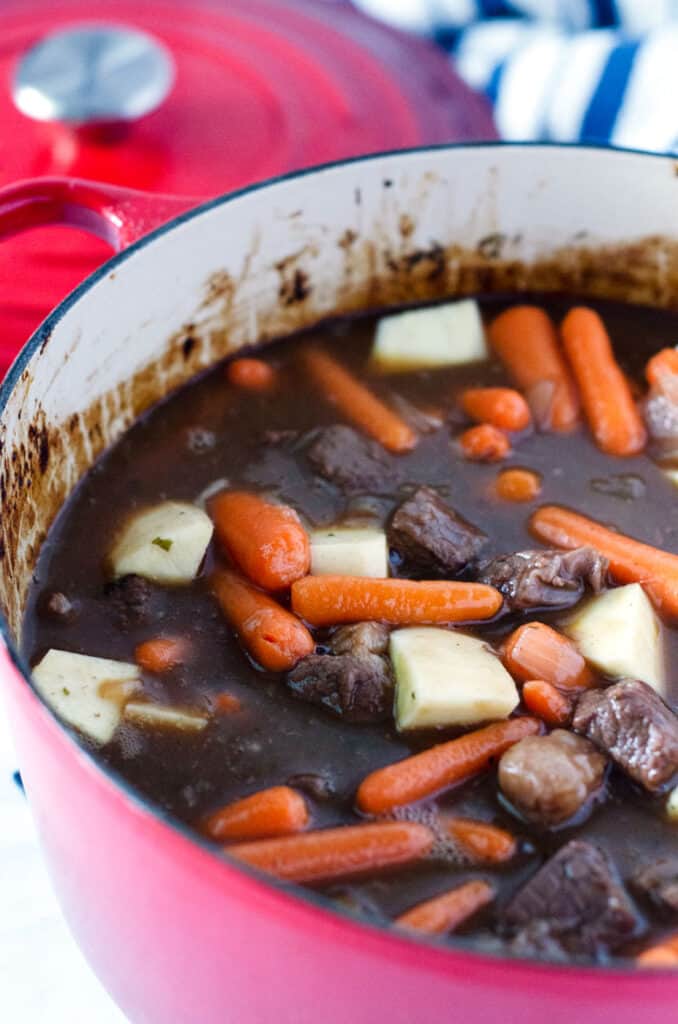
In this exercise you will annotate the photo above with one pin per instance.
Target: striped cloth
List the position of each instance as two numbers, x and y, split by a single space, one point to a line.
601 71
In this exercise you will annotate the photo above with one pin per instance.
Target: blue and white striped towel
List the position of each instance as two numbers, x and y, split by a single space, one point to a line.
561 70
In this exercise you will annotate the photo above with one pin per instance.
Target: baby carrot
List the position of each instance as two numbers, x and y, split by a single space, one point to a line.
518 485
664 954
446 912
662 364
161 654
481 841
537 651
328 854
484 443
273 636
543 701
266 541
329 600
527 344
279 811
357 402
501 407
631 561
610 410
446 764
251 375
227 703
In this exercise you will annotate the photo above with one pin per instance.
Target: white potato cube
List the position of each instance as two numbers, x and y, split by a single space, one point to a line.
444 335
165 543
620 634
672 805
349 551
446 678
78 688
672 476
161 716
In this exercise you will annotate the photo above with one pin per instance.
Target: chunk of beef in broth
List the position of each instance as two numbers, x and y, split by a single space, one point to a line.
575 902
131 597
344 457
430 535
658 884
631 723
545 579
550 779
354 681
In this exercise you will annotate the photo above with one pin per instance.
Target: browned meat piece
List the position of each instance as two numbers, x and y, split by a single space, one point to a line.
658 884
549 779
316 785
359 689
545 579
575 901
361 639
345 458
58 607
631 723
432 536
131 598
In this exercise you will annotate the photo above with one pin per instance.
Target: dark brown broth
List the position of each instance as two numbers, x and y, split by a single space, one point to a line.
275 736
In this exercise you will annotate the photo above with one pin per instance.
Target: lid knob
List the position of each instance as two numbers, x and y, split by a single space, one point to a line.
92 75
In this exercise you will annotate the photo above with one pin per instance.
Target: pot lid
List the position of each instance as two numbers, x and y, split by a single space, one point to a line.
196 99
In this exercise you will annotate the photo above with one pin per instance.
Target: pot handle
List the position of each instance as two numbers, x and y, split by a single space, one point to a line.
117 215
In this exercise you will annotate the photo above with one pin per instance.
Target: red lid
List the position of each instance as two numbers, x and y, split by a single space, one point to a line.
262 87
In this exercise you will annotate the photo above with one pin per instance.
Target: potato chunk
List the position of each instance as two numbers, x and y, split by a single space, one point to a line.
165 543
446 678
672 805
620 634
161 716
348 551
79 689
446 335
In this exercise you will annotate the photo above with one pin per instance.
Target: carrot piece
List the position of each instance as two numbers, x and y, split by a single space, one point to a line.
251 375
332 853
614 420
481 841
446 912
501 407
518 485
357 402
662 364
537 651
329 600
267 542
273 636
526 341
543 701
631 561
484 443
278 811
227 703
664 954
161 654
439 767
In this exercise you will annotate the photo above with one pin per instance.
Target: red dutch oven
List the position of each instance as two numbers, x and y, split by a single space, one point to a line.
176 931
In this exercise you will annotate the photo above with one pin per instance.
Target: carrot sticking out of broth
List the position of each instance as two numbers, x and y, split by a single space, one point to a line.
251 375
664 954
543 701
334 853
537 651
630 560
266 541
481 842
330 600
161 654
662 364
227 703
518 485
278 811
274 637
358 403
425 774
526 341
484 443
446 912
611 412
501 407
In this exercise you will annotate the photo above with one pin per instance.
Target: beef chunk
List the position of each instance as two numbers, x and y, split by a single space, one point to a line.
549 779
362 638
575 901
349 460
131 598
545 579
633 725
316 785
658 884
431 536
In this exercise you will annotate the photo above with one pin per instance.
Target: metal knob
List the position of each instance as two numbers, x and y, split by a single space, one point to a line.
91 75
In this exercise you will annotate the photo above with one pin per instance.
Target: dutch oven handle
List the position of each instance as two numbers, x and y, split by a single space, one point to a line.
117 215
